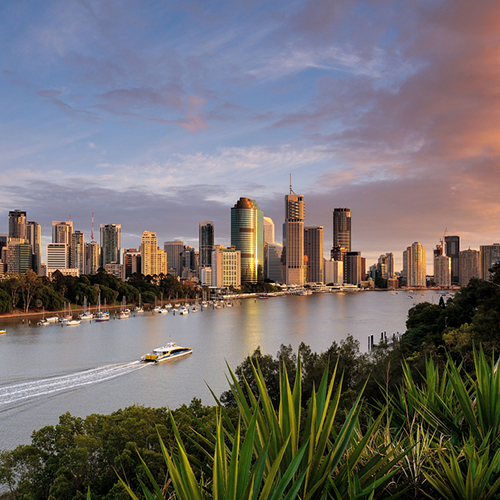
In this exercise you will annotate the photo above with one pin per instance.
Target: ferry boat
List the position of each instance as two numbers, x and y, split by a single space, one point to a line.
169 351
3 332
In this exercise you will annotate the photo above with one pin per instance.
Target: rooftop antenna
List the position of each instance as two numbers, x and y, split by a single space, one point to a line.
291 190
92 231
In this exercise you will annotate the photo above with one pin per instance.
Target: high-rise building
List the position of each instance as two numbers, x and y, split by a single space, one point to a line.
226 267
153 260
274 267
247 236
313 249
62 232
174 250
111 242
342 228
293 239
268 229
414 265
78 251
19 255
334 272
385 266
57 256
469 266
489 256
452 250
206 235
92 257
132 261
17 224
442 271
34 237
355 272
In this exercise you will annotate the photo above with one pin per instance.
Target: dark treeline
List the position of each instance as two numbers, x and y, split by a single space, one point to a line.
30 290
411 419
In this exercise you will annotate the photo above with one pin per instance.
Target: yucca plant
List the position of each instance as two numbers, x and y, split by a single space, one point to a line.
275 454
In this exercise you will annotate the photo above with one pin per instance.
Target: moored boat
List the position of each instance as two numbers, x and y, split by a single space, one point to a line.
72 322
166 352
183 310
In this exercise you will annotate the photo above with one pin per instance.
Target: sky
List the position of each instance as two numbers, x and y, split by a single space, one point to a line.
157 115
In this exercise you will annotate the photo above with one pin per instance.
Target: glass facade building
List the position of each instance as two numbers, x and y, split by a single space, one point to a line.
247 236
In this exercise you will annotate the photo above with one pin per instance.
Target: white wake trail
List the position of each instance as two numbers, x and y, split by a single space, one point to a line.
26 390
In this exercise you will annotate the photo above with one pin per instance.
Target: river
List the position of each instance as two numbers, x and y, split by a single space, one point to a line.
94 367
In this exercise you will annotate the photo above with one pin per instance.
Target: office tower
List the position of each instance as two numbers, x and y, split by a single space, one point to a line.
206 232
111 242
226 267
334 272
34 237
17 224
92 257
57 256
382 267
188 260
153 260
293 239
389 261
19 255
78 252
469 266
414 265
247 236
274 267
268 229
442 271
342 228
62 232
452 250
313 249
174 250
489 256
132 261
355 272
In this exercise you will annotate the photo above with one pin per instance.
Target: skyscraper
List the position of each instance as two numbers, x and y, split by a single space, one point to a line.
206 243
17 224
452 250
62 232
414 265
489 255
442 271
342 228
175 255
92 257
149 255
293 238
313 249
247 236
111 242
33 234
469 266
268 230
78 251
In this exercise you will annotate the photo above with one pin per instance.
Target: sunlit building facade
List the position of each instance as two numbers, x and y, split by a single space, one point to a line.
226 267
442 271
153 260
414 265
247 236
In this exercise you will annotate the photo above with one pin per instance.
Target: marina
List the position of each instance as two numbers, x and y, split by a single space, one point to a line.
95 367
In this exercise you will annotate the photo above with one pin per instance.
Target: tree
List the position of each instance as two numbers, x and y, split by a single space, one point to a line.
13 282
30 282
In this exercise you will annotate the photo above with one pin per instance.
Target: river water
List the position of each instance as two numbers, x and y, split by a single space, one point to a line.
94 367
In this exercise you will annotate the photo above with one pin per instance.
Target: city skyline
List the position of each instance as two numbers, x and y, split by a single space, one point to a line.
390 110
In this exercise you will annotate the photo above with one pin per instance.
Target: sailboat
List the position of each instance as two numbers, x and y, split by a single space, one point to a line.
139 309
101 315
43 321
86 314
124 312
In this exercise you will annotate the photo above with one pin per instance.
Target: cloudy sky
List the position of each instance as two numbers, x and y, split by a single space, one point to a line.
156 115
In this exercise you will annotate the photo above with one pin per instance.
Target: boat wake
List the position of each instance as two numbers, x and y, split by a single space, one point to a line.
15 393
